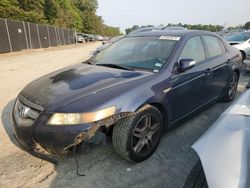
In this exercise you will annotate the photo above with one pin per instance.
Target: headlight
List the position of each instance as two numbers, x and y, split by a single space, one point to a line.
79 118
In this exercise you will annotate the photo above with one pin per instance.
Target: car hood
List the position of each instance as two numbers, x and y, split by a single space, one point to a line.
75 82
235 42
240 45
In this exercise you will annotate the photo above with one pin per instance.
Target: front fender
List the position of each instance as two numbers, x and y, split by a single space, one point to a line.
224 149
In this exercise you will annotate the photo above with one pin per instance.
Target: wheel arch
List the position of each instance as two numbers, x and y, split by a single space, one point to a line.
164 113
243 53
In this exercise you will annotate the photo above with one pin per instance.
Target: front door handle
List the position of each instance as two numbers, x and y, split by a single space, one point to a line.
208 71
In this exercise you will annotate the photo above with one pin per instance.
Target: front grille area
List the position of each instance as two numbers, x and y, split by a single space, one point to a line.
25 112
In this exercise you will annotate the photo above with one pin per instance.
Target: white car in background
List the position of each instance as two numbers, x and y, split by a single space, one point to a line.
99 38
224 150
241 41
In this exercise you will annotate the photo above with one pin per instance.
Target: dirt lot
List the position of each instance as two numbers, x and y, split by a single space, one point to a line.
168 167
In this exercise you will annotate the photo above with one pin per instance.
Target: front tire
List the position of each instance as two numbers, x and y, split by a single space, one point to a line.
136 137
231 88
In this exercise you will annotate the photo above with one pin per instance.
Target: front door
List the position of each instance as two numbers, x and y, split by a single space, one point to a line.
190 88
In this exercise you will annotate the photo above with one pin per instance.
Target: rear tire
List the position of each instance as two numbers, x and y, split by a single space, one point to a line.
136 137
196 178
231 88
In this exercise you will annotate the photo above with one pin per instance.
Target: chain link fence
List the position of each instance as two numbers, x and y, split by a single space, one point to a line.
19 35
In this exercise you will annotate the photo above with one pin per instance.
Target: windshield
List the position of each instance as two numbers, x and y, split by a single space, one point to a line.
137 52
239 37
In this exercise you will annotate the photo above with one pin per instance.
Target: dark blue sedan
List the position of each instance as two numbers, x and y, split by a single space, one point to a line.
135 89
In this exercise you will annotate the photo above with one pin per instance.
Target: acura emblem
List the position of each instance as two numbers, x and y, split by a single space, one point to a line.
23 111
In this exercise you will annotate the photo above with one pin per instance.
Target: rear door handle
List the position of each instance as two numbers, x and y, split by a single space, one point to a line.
231 59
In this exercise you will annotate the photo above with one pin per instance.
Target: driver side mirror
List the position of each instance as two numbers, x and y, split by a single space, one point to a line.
185 64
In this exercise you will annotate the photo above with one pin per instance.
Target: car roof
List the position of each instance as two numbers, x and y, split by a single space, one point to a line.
144 29
177 33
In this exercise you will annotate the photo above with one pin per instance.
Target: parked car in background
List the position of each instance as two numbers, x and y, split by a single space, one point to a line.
91 37
226 33
85 36
224 150
80 38
135 89
241 41
108 43
99 38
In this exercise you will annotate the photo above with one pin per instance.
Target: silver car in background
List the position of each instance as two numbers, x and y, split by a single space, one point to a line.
224 150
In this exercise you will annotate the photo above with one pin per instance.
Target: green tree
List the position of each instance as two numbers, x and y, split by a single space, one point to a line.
86 5
50 11
247 25
135 27
77 14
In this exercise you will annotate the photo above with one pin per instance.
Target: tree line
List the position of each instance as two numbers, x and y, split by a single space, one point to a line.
75 14
245 26
208 27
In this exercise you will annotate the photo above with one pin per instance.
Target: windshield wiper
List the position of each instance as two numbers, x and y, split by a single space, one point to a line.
116 66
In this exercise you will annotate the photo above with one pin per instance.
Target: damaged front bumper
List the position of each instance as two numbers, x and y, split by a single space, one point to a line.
52 143
40 155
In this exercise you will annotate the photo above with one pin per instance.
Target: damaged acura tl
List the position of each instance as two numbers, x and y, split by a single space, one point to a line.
134 89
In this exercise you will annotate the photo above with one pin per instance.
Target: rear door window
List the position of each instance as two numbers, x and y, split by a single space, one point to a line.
214 46
194 49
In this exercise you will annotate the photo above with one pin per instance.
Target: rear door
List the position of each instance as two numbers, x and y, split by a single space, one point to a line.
218 63
190 88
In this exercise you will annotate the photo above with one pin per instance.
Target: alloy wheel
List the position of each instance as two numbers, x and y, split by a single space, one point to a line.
146 135
233 85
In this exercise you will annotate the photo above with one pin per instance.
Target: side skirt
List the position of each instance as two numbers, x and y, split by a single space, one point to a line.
195 111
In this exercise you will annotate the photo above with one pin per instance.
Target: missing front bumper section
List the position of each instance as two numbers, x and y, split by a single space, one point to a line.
85 136
94 134
35 153
82 136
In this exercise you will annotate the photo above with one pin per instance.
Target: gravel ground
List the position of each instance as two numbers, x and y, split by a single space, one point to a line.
168 167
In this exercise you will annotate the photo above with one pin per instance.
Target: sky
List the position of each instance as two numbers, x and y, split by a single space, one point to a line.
126 13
